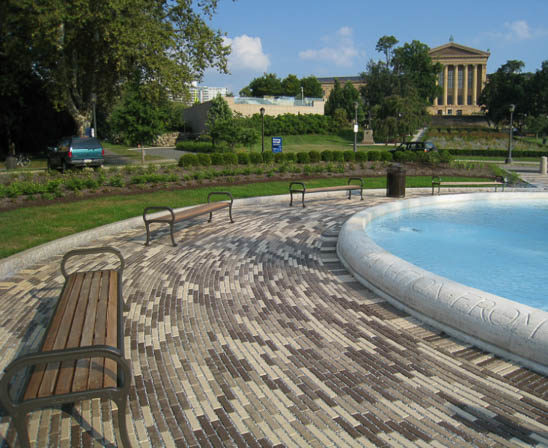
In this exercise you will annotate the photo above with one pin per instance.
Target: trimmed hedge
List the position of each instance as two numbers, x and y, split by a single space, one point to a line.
204 159
217 158
188 160
327 156
314 156
230 158
349 156
268 156
497 153
303 157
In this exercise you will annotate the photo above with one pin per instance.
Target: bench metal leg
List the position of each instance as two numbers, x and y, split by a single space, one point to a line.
230 213
303 199
210 216
291 195
361 194
121 423
148 234
171 233
20 421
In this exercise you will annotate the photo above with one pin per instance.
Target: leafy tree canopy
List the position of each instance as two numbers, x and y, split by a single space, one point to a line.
385 45
85 50
270 85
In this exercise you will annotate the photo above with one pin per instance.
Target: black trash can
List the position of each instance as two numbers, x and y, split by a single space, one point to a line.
395 181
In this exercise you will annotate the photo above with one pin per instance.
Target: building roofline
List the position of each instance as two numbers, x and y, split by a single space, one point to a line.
461 47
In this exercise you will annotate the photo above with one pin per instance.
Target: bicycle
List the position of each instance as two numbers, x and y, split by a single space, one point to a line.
22 160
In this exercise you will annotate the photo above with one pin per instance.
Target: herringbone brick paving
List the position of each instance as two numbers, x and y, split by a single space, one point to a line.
253 334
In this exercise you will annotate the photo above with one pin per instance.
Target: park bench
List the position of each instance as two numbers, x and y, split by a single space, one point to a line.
303 190
497 182
82 353
171 217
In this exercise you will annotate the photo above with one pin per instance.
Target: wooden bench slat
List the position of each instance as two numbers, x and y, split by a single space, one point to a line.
83 366
39 371
334 188
99 333
111 375
200 210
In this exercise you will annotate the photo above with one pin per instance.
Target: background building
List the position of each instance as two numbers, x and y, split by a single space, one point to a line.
203 94
463 78
329 83
196 115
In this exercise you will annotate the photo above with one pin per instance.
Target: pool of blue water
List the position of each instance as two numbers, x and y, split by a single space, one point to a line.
497 246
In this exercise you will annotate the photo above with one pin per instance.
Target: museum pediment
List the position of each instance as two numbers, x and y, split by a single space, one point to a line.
453 50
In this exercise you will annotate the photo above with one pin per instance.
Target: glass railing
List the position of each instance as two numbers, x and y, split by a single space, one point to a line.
278 101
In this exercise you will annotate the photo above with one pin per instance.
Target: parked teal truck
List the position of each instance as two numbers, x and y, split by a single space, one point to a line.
76 152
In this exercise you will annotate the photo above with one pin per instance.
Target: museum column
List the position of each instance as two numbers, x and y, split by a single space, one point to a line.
475 85
465 86
455 85
445 76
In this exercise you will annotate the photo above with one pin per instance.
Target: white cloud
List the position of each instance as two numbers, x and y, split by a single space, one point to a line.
247 54
340 49
518 30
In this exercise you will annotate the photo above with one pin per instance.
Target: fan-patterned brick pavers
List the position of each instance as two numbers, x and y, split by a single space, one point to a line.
253 334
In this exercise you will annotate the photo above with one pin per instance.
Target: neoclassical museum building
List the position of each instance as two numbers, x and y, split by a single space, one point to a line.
463 78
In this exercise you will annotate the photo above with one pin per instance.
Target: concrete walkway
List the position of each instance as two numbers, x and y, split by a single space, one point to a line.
253 334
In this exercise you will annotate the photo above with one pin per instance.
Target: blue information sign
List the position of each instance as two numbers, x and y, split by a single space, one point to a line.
276 144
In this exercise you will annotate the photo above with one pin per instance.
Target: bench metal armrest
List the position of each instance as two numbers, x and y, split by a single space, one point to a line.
158 209
297 191
89 251
227 193
33 359
359 179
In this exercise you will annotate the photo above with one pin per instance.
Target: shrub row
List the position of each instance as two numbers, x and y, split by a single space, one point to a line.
256 158
497 152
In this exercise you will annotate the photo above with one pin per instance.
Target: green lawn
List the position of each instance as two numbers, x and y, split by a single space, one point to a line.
313 142
28 227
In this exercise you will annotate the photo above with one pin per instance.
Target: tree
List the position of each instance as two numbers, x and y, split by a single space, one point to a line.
385 45
267 85
312 87
141 115
218 115
504 87
291 86
414 67
87 50
344 98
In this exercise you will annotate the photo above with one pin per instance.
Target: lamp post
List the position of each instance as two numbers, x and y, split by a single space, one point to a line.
262 131
512 108
94 102
355 123
302 95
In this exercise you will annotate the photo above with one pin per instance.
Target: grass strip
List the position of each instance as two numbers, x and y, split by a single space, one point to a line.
27 227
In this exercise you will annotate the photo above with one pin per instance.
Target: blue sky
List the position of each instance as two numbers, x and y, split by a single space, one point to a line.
337 38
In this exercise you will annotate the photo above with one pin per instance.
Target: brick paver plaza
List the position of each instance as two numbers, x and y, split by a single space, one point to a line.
253 334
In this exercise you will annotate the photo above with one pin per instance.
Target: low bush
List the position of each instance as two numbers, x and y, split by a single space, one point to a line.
303 157
374 156
279 157
349 156
230 158
204 159
188 160
338 156
243 158
327 156
195 146
268 156
217 158
361 156
290 156
256 158
314 156
386 156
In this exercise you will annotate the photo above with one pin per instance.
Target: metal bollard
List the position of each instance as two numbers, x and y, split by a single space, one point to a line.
543 165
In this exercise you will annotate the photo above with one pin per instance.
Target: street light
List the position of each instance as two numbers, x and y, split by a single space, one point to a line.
262 132
512 108
94 102
355 123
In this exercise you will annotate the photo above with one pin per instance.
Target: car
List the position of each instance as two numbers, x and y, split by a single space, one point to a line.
76 152
416 146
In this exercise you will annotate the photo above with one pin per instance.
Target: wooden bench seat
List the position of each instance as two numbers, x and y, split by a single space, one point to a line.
82 353
303 190
437 182
171 217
